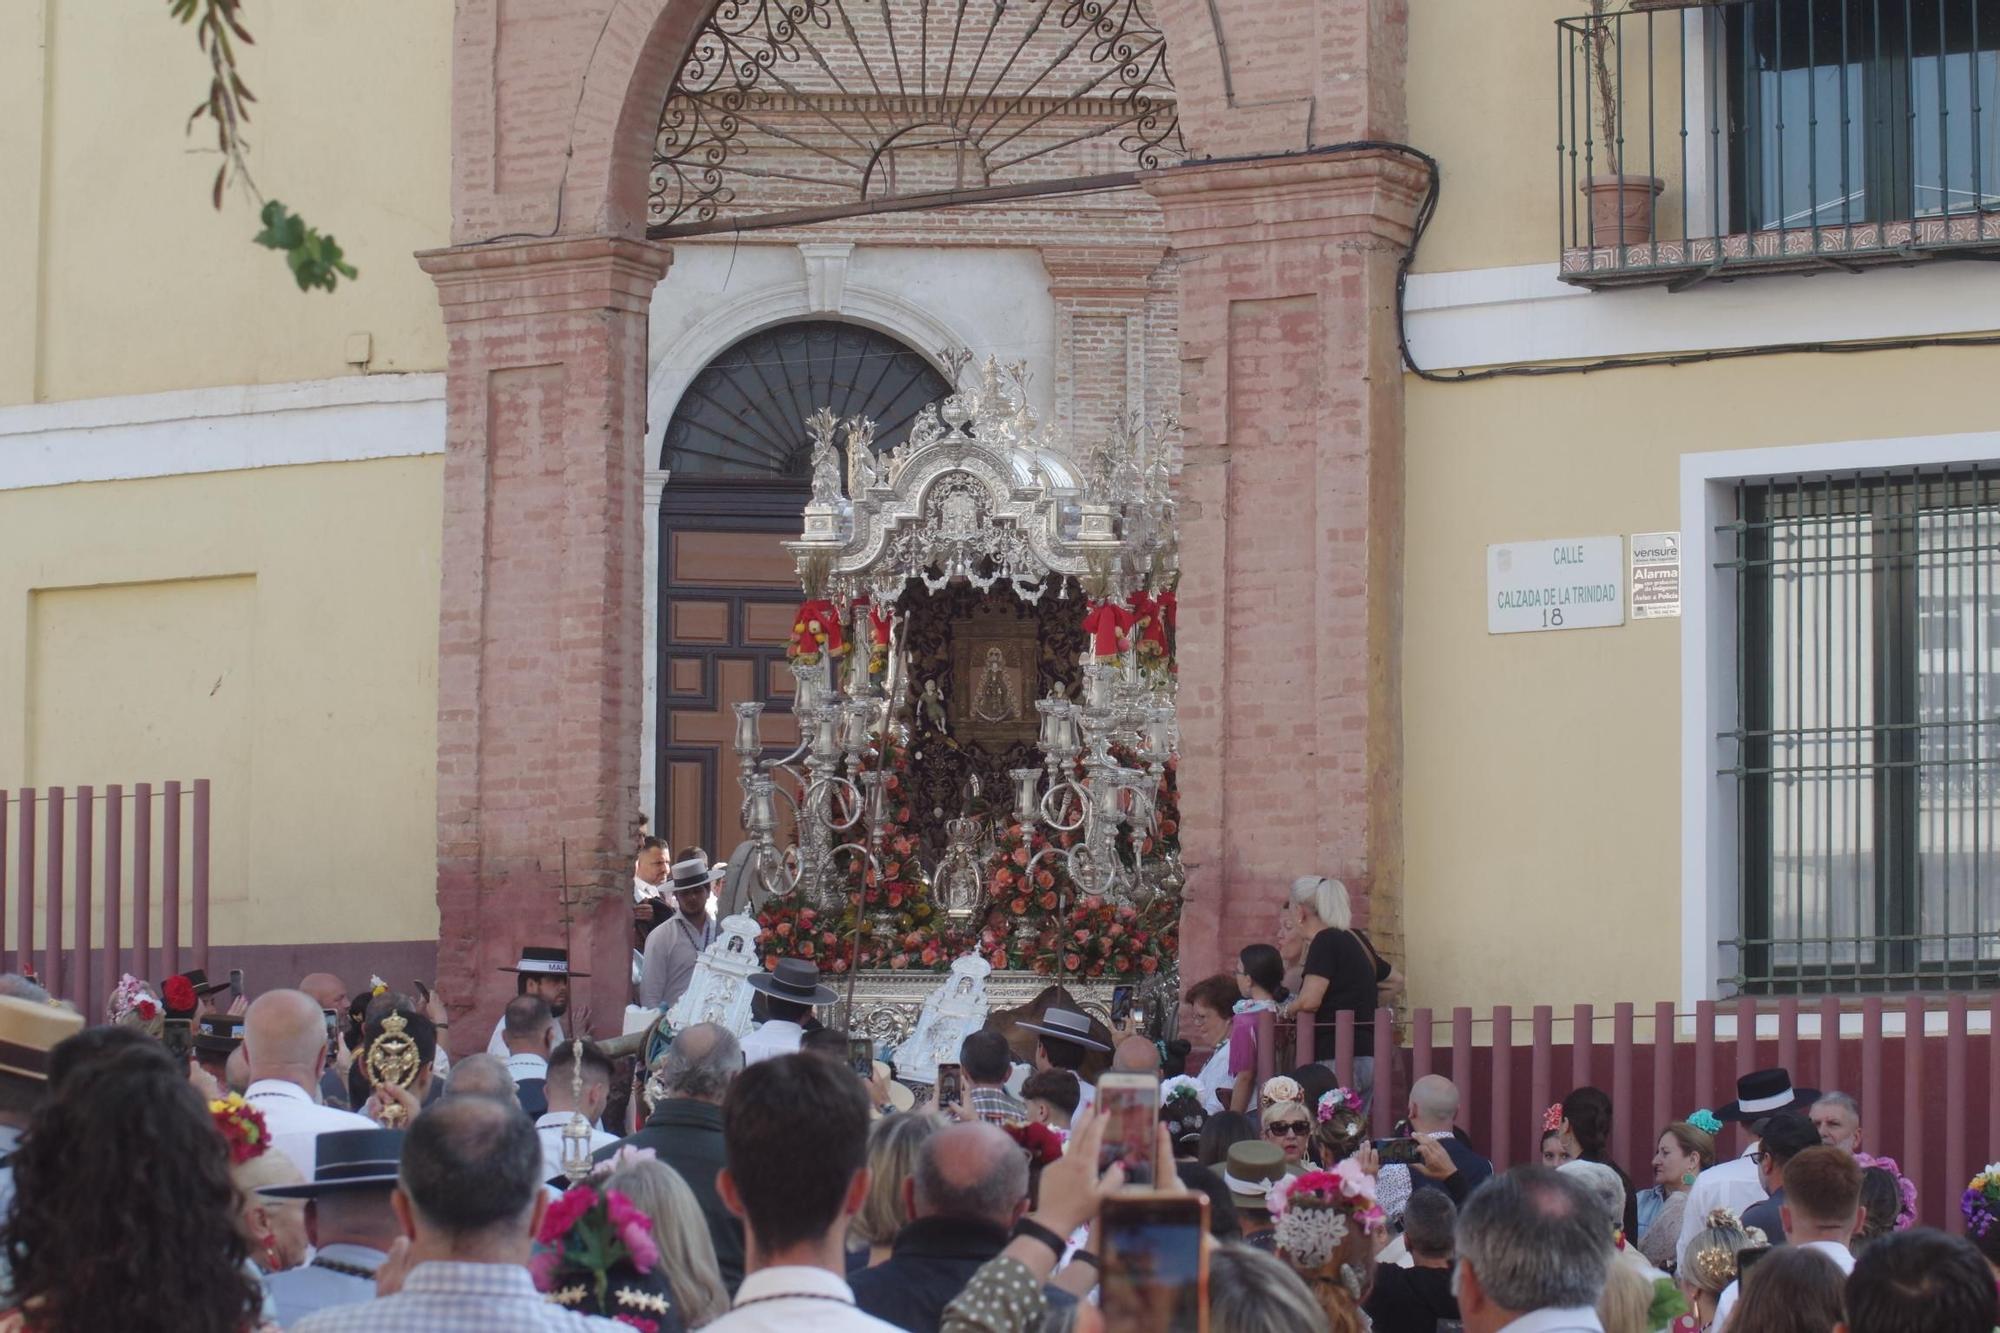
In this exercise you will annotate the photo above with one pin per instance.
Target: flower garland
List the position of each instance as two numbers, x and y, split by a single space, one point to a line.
133 1000
591 1232
1980 1204
1906 1189
1315 1211
1338 1101
242 1126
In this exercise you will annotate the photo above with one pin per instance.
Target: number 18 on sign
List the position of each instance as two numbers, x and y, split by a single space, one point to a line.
1573 583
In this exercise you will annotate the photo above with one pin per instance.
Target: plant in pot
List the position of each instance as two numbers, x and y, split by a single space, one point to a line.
1621 205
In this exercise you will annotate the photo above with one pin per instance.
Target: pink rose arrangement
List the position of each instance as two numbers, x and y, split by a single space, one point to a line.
585 1235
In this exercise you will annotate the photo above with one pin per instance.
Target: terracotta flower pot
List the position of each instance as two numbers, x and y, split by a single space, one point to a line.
1621 208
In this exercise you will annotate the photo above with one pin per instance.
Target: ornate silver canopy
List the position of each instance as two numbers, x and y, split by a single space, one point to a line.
985 491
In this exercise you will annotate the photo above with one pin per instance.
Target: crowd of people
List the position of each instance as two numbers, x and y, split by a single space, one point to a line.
313 1160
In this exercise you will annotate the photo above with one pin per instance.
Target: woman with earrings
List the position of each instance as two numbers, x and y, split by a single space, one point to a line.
1686 1149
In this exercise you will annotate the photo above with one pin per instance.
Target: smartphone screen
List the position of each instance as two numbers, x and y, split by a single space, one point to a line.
235 981
178 1037
861 1056
1121 1004
332 1024
1155 1277
1129 1105
1398 1152
950 1085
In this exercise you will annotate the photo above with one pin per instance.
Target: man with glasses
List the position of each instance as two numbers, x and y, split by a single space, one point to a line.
1785 1137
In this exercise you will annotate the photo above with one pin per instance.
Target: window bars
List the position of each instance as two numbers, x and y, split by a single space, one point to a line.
1866 753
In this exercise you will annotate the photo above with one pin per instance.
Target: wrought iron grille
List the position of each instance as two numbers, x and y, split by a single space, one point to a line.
1867 745
1775 134
787 105
744 416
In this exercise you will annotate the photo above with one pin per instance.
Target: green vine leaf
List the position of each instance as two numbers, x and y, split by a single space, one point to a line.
316 259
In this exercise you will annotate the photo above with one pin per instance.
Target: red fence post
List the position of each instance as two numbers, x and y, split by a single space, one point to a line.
1420 1046
1957 1167
1788 1039
1622 1119
1704 1055
201 873
1829 1044
114 886
1582 1036
170 883
1746 1035
142 880
24 910
1343 1050
1992 1073
3 874
1305 1032
1871 1063
86 833
1539 1072
1500 1136
52 863
1664 1110
1911 1133
1267 1049
1461 1054
1384 1100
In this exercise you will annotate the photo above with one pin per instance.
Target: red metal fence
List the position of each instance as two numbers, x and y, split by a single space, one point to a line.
83 843
1931 1101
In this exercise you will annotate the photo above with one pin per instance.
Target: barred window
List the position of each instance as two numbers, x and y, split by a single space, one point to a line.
1867 743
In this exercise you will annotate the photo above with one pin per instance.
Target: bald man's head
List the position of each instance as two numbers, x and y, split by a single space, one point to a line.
482 1075
286 1038
1433 1103
330 991
1136 1055
973 1172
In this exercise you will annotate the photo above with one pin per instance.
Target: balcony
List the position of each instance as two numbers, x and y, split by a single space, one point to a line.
1718 139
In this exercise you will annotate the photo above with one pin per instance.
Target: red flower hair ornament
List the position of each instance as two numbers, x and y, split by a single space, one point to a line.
1041 1143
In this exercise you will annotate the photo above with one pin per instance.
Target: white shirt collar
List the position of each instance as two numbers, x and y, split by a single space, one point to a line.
777 1283
358 1255
778 1027
557 1119
528 1063
1842 1257
283 1089
1583 1319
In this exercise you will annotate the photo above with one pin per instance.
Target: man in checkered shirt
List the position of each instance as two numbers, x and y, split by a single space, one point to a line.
986 1062
469 1198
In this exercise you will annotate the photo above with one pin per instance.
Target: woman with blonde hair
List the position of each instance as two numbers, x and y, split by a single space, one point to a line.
1711 1262
1343 973
687 1254
893 1144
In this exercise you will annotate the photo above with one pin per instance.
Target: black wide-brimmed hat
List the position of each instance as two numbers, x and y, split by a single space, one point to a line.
539 962
347 1159
1065 1025
694 873
218 1034
1766 1092
793 979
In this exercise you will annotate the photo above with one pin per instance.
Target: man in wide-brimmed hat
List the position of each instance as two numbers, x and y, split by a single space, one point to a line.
1250 1171
542 971
1735 1184
348 1218
1063 1041
791 992
677 942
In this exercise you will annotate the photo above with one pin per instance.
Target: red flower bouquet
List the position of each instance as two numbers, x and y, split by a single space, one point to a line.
242 1126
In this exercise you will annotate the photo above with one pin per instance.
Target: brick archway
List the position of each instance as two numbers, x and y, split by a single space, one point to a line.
1292 487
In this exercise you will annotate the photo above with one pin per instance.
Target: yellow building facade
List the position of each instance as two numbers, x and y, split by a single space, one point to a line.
220 498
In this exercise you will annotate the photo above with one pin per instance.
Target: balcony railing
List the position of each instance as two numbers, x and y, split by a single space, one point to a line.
1737 136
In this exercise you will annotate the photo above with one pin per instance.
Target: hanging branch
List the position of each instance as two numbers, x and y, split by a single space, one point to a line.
315 259
1602 41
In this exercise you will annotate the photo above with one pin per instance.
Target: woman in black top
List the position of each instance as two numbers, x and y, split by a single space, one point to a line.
1342 972
1586 1129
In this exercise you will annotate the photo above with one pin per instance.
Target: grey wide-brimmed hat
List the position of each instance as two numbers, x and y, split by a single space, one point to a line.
1252 1168
347 1159
793 979
1066 1025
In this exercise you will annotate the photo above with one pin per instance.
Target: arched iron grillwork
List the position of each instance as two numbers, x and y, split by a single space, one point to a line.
744 416
783 106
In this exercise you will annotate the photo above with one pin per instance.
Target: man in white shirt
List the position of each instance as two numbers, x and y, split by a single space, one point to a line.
285 1039
1735 1185
348 1219
1533 1252
1821 1211
1066 1039
795 1139
649 871
544 972
791 992
529 1031
676 943
565 1101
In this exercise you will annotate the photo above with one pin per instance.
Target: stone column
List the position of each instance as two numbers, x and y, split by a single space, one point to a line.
655 487
541 615
1291 535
